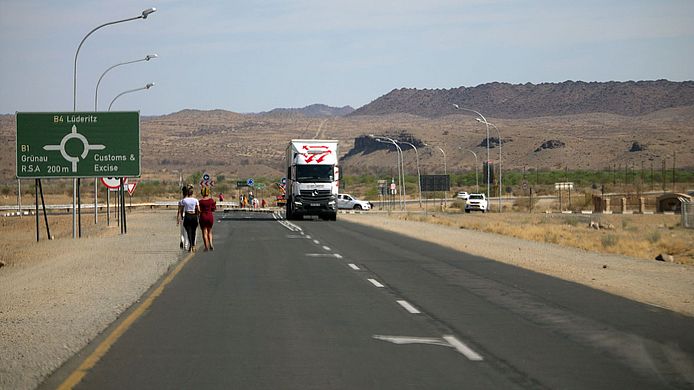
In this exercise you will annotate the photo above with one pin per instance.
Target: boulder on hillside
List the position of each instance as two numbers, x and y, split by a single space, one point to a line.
551 144
637 147
493 142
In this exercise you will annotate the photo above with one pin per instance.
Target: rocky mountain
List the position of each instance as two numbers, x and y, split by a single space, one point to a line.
514 101
314 111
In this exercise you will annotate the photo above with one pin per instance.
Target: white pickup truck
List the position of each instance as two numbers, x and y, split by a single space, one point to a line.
477 202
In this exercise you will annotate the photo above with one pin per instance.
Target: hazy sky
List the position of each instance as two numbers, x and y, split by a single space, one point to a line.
250 56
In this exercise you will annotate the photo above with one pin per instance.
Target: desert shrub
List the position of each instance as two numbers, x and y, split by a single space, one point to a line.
654 236
457 204
572 221
523 203
609 240
551 237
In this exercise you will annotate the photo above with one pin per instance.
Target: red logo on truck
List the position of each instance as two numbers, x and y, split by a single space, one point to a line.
315 153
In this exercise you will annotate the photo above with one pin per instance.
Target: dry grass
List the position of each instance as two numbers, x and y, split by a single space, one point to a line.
640 236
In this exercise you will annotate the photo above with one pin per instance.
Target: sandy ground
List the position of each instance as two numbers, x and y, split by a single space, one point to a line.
56 296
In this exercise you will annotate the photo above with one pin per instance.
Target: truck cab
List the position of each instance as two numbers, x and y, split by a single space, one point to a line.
312 179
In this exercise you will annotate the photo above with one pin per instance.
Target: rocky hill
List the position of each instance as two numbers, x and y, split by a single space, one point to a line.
514 101
314 111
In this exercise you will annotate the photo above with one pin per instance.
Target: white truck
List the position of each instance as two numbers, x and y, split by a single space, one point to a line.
312 179
476 202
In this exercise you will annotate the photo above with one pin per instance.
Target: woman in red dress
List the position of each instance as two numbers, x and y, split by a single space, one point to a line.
207 208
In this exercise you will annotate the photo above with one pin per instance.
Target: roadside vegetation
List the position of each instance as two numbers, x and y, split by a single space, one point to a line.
640 236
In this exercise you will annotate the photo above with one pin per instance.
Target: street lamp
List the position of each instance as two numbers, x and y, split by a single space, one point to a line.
499 134
148 86
96 93
401 167
143 15
477 183
419 176
96 100
487 124
445 170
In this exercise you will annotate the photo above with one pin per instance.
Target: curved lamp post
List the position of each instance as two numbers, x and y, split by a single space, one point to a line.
143 15
445 169
457 107
401 175
419 176
499 134
96 92
477 183
148 86
96 100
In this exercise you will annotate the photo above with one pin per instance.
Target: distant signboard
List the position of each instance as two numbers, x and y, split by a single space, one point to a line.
78 144
433 183
568 185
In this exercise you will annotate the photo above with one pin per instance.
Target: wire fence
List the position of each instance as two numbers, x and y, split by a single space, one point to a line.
688 214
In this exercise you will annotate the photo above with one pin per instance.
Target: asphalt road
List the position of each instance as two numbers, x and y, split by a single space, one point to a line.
332 305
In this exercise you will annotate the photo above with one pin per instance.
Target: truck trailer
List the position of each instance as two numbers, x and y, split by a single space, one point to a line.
312 179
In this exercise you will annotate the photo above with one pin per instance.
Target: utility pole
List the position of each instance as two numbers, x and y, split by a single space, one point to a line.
662 173
674 158
652 188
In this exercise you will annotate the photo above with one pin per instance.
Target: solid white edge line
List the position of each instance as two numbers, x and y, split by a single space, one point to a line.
408 307
375 283
353 266
462 348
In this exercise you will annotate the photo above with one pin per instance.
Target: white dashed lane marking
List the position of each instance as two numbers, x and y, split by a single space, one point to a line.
462 348
376 283
353 266
407 306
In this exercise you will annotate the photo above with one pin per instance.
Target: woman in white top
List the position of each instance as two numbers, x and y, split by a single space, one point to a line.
189 209
185 245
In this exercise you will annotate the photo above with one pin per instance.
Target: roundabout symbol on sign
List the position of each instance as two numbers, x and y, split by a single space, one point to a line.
74 159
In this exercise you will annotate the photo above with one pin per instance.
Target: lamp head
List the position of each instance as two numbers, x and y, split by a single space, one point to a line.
148 86
456 106
148 11
150 56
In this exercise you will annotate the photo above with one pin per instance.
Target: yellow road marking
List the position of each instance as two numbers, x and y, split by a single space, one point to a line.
111 339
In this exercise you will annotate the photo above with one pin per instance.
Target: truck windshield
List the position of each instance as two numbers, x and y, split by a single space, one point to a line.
314 173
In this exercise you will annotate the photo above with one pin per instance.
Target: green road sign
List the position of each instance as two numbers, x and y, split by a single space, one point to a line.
78 144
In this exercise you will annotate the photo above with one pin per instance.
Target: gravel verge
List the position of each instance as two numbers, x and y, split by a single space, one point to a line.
70 290
661 284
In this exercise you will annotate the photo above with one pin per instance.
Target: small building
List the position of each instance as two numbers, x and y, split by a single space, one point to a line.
672 201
